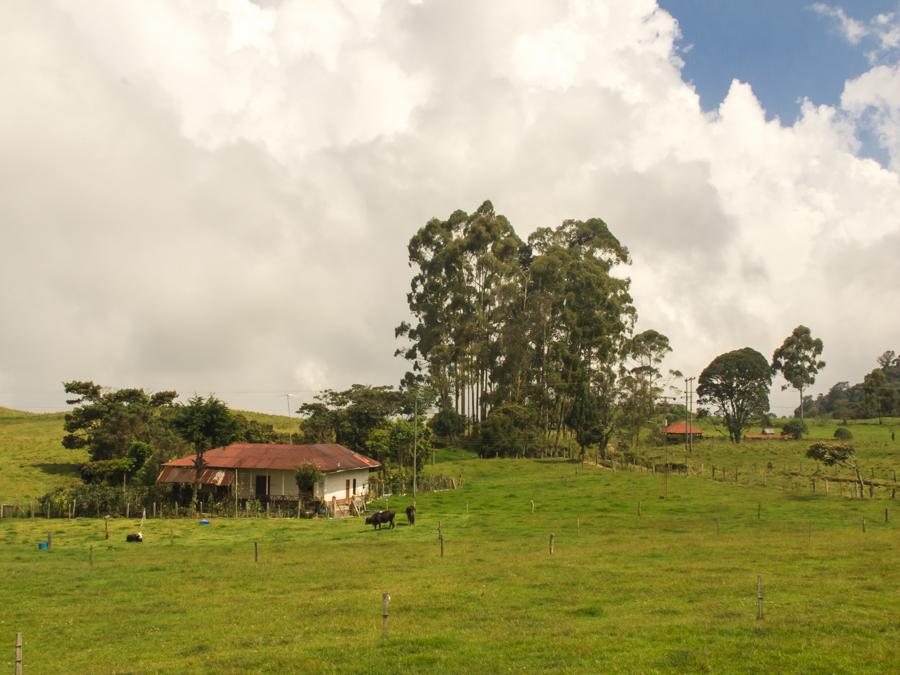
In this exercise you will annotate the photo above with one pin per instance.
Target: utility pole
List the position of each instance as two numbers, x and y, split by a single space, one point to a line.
290 427
687 425
415 437
690 408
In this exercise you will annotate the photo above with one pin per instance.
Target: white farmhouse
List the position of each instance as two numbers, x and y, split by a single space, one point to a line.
265 471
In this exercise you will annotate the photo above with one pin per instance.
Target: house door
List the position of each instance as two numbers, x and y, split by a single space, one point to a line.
347 491
262 487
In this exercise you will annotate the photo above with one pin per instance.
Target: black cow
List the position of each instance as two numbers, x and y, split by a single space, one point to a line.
379 518
411 514
138 538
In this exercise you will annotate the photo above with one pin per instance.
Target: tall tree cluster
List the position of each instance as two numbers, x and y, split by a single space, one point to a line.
538 334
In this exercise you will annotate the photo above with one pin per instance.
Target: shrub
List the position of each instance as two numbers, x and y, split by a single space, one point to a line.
509 430
795 428
843 434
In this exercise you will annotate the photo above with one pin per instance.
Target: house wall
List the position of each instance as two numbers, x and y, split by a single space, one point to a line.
282 484
335 484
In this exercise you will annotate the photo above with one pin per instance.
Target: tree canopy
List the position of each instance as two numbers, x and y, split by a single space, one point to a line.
539 330
797 359
737 383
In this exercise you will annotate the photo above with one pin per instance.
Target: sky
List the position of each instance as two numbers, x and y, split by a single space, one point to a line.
215 196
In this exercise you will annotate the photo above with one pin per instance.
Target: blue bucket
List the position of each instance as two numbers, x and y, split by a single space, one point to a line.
43 546
204 522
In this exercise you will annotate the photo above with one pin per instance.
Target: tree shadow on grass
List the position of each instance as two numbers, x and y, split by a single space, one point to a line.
59 468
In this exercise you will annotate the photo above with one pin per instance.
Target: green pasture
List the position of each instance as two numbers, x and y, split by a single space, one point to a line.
32 458
635 583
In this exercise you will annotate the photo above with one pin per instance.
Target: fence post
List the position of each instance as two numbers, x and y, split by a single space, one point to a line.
758 510
91 555
759 598
532 506
18 654
106 527
385 601
885 516
552 540
864 524
255 551
639 508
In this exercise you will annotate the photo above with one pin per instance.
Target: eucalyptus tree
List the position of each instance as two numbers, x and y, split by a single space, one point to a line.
797 359
641 380
466 267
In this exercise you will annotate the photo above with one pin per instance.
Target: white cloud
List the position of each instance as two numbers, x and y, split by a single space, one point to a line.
883 30
217 196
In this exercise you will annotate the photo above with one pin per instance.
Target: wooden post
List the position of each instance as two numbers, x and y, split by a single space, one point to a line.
759 598
255 551
758 510
385 601
814 485
885 516
714 471
532 506
467 508
552 540
154 509
18 654
31 508
91 555
639 508
176 509
826 487
441 539
578 522
267 509
106 527
864 524
127 509
171 537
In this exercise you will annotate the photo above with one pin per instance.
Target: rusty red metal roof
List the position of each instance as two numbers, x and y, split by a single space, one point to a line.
177 474
327 457
681 426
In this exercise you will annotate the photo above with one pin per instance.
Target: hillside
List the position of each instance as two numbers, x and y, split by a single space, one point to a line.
32 458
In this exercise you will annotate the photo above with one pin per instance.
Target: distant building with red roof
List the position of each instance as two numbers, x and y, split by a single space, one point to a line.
265 471
678 431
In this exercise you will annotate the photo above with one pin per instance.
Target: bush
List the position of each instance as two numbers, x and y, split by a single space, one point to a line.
795 428
448 424
509 430
843 434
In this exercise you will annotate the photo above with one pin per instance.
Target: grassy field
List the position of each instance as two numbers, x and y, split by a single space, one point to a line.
670 590
635 583
32 458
